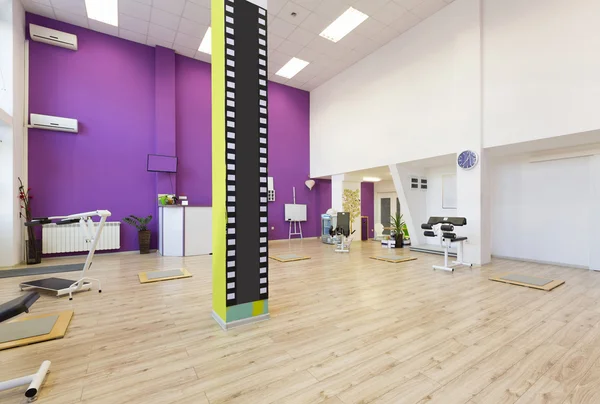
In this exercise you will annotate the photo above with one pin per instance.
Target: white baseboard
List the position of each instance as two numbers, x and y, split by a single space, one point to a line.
556 264
238 323
294 239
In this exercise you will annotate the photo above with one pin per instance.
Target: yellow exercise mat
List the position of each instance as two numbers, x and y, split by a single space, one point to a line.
56 331
158 276
288 257
393 258
529 281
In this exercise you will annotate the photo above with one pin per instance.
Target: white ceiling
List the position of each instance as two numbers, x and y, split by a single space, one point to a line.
378 172
181 25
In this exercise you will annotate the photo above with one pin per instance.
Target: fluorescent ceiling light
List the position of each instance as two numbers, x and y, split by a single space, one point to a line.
292 68
106 11
206 45
371 179
344 24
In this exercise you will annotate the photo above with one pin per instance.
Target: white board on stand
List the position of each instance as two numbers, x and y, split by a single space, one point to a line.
295 213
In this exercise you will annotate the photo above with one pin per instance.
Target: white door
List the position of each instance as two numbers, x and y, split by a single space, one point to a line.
387 205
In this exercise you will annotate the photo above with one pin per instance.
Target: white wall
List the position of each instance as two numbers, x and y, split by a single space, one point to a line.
532 67
542 69
384 186
413 202
404 102
434 195
543 211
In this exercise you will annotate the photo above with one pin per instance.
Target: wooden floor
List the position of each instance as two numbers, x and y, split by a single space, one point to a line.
344 329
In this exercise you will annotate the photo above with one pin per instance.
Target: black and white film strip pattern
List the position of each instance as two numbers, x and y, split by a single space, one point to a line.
246 151
262 136
230 151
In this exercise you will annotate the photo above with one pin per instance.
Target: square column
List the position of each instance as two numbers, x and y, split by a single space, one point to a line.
239 162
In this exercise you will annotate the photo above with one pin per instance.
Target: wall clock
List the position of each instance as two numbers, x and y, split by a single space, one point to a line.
467 159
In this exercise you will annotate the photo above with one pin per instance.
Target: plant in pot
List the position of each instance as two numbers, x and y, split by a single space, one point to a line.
33 246
397 225
141 224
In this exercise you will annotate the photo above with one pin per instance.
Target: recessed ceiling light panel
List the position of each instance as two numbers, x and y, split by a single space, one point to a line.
291 68
106 11
344 24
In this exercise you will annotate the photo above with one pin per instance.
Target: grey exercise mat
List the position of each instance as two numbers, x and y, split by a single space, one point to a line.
530 280
11 273
26 329
164 274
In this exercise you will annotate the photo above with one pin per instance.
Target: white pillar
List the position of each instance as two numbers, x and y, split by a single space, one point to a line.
337 191
595 203
471 185
12 46
474 204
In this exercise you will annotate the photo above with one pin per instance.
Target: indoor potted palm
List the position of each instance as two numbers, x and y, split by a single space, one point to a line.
397 225
141 224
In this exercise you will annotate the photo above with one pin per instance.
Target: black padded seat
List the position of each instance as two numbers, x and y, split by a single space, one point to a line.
17 306
459 239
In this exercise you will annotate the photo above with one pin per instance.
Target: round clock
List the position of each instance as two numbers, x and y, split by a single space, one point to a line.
467 159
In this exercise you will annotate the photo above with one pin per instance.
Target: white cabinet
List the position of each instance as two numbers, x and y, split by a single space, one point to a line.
184 230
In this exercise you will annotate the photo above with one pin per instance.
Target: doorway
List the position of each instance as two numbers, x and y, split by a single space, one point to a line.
385 209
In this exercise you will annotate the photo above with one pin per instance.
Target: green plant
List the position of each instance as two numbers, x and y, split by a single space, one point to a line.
397 225
140 223
405 231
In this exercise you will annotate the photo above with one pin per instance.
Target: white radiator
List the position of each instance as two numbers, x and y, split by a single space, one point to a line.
69 238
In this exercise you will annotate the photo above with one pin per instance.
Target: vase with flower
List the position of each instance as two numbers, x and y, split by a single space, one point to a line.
33 246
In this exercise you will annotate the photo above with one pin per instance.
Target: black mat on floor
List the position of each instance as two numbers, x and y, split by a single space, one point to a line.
11 273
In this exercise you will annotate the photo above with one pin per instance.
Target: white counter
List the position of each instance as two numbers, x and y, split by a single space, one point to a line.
184 230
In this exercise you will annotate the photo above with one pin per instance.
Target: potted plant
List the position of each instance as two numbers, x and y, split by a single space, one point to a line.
141 224
406 240
33 246
397 232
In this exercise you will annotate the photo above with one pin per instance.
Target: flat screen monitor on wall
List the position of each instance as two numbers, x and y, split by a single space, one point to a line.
161 164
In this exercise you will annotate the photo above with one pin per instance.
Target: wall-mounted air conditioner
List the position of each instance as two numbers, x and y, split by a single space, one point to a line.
52 37
53 123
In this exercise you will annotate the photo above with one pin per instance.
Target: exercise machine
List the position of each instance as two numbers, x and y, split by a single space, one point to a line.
12 309
91 234
443 229
344 243
341 233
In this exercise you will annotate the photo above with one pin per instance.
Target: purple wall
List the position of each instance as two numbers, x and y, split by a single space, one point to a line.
165 130
193 114
289 157
110 85
367 204
288 144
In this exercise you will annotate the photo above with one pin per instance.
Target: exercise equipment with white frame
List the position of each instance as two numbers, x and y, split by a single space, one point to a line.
443 229
343 245
12 309
91 235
